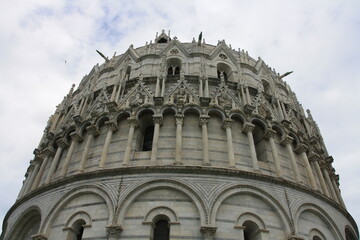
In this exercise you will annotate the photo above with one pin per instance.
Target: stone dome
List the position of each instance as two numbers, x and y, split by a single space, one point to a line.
177 140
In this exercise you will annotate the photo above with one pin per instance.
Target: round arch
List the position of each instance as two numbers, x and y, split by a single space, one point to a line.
216 112
87 189
259 193
322 214
27 224
147 185
100 121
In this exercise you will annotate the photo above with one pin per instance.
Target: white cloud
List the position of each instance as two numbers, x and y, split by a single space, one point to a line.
317 39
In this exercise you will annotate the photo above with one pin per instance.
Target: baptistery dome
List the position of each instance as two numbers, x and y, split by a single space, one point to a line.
177 140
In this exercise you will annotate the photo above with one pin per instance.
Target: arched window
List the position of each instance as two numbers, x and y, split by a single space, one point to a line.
148 138
77 230
260 143
170 71
174 66
127 74
177 70
316 238
225 71
251 230
162 230
349 235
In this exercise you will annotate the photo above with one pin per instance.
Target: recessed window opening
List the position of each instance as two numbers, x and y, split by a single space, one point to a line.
316 238
162 40
260 143
224 74
162 230
148 138
250 231
77 230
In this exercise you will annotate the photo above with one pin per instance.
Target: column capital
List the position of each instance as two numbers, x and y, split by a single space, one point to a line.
286 140
179 119
270 133
132 121
248 127
329 159
111 125
227 123
301 148
113 231
158 118
62 142
314 157
75 136
93 129
204 119
208 231
49 151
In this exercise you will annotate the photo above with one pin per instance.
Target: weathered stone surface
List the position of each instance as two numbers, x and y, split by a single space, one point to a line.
203 137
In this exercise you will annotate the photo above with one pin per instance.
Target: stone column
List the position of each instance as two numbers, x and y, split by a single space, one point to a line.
178 149
157 122
113 232
206 87
75 138
113 94
286 141
201 87
62 143
248 128
92 131
163 87
84 105
132 126
334 180
270 134
157 88
247 95
325 172
280 110
227 124
208 232
301 149
48 152
315 158
112 127
34 169
204 119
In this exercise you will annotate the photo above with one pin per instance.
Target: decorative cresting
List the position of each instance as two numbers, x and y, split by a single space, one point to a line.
198 140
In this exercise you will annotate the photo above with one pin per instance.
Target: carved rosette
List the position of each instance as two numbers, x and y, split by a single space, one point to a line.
248 127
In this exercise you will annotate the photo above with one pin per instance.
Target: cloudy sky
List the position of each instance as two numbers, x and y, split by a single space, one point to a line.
318 40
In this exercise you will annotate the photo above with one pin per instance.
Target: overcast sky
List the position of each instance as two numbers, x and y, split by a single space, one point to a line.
318 40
